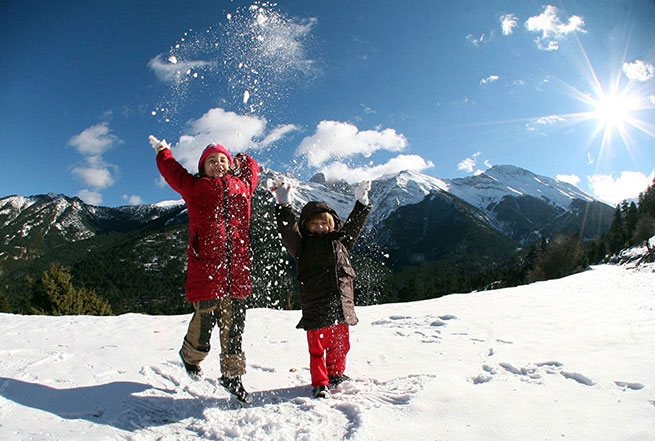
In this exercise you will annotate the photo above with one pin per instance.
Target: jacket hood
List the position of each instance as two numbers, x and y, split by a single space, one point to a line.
314 207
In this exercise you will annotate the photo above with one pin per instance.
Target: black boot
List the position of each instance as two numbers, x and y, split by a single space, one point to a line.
321 392
235 387
338 379
193 370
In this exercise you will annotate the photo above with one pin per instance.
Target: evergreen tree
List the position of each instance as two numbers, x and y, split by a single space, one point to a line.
616 236
631 219
4 303
54 294
564 255
647 201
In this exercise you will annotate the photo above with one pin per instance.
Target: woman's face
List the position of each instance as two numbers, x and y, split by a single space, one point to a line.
216 165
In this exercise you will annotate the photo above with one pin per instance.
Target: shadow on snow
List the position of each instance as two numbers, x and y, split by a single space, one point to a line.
120 405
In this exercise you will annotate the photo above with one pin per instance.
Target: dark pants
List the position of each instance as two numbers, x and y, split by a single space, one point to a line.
230 316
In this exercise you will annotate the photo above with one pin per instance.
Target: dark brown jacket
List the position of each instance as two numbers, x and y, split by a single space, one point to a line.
323 262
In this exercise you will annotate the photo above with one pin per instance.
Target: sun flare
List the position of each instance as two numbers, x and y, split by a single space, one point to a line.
612 111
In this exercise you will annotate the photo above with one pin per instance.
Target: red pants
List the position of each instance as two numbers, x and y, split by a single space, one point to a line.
327 352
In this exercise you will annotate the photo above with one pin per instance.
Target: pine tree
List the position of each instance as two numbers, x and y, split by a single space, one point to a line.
54 294
4 303
616 236
647 201
631 218
564 255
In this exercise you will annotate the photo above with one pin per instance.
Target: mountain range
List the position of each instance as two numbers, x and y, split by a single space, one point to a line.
139 251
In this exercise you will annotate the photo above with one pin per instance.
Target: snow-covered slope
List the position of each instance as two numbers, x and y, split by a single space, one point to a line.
486 189
568 359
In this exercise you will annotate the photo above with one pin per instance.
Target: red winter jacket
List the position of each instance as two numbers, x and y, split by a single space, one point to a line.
219 227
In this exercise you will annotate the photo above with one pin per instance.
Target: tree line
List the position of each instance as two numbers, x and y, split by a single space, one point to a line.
74 287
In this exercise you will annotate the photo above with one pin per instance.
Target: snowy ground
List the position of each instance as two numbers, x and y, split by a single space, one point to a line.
569 359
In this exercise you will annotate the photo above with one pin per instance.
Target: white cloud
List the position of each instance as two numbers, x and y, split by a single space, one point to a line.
551 28
278 133
543 121
468 165
639 70
336 140
238 133
339 170
489 79
570 179
96 177
174 71
94 140
613 190
92 143
90 197
133 199
508 22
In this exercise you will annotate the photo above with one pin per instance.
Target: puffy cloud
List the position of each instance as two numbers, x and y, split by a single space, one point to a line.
96 177
569 179
340 171
469 164
278 133
133 199
94 140
238 133
639 70
90 197
613 190
92 143
508 22
338 140
551 28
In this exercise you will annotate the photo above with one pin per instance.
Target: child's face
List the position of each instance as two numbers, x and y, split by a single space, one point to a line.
216 165
317 225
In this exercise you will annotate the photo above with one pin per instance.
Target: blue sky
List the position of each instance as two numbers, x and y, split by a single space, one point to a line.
353 89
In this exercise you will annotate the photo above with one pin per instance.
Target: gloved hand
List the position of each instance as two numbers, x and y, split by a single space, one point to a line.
280 190
361 192
157 144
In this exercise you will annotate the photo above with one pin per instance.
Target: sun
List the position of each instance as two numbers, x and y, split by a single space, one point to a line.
617 112
613 111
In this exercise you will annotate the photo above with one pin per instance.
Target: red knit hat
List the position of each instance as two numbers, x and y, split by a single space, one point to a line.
213 148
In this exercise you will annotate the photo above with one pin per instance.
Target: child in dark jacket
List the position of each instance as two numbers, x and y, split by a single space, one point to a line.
320 243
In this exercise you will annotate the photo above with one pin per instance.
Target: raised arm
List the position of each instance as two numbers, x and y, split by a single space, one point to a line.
247 169
287 225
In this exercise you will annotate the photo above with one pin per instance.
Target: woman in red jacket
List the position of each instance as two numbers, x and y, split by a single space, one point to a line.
218 272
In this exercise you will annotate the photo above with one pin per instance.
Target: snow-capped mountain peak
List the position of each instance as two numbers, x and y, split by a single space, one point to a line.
488 188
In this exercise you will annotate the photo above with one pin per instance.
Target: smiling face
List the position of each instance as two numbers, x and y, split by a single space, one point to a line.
321 223
216 165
